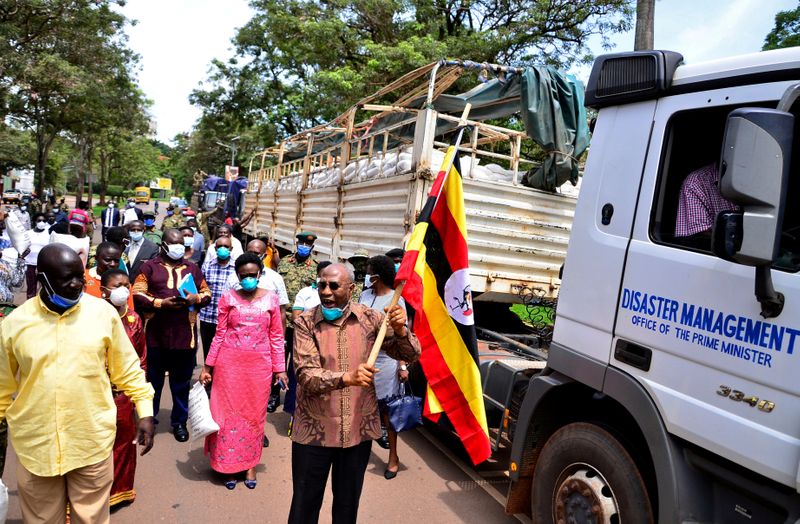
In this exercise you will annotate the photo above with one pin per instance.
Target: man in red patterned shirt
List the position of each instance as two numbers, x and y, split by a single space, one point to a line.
699 204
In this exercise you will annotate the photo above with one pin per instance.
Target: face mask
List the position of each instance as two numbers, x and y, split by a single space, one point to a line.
332 313
111 205
23 208
149 222
249 283
136 235
188 241
130 204
55 298
223 253
303 250
194 230
41 225
368 281
170 212
397 267
119 296
175 251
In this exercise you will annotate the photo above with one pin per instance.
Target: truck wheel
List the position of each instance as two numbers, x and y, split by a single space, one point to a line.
585 476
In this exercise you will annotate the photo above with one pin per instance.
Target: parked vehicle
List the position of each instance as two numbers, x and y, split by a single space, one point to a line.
670 392
12 196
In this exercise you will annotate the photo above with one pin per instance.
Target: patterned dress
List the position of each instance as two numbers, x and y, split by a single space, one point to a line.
247 350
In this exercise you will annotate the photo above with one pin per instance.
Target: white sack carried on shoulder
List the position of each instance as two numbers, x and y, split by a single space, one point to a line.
200 421
20 237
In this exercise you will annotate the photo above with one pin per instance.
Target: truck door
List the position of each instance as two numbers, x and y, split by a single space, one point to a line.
688 325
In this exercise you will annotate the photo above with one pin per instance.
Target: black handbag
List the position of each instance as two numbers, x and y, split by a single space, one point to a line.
405 410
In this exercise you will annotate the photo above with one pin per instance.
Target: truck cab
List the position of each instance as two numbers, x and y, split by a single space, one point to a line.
670 390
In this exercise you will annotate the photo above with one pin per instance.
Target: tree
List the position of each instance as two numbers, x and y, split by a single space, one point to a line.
300 63
645 14
66 56
786 32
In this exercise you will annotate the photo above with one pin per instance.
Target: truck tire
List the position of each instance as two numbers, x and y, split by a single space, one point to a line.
584 475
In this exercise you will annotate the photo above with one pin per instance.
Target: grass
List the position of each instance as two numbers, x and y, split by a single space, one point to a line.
540 314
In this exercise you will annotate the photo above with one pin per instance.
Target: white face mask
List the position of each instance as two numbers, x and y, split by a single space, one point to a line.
176 251
188 241
119 296
111 205
41 226
368 281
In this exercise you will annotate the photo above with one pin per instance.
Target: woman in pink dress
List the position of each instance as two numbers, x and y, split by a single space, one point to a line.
245 357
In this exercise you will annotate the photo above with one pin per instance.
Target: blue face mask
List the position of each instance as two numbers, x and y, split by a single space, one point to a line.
249 283
223 253
170 212
55 298
136 235
149 222
397 267
332 313
303 250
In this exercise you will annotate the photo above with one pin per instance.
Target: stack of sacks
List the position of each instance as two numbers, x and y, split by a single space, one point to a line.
289 183
324 177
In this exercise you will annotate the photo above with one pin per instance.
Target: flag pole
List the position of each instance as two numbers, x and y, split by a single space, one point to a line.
398 291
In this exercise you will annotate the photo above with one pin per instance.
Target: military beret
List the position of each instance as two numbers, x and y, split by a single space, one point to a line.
396 253
306 236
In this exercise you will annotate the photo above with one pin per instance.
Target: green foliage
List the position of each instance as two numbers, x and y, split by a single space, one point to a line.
65 71
786 32
114 190
300 63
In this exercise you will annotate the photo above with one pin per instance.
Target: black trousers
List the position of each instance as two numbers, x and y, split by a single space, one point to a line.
275 390
207 332
179 363
310 468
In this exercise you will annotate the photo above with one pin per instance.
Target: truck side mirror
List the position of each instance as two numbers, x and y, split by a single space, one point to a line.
754 172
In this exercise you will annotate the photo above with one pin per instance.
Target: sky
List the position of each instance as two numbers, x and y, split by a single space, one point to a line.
177 39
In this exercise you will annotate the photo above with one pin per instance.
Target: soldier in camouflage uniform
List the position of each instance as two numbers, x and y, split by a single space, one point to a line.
173 220
298 271
359 263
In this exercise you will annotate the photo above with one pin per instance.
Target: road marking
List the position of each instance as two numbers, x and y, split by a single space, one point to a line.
486 485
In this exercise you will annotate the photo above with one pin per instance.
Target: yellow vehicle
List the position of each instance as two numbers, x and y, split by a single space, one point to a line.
142 195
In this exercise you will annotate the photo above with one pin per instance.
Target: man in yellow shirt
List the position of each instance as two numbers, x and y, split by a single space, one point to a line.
68 349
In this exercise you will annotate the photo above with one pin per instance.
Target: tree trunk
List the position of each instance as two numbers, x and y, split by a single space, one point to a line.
103 179
645 12
89 154
43 143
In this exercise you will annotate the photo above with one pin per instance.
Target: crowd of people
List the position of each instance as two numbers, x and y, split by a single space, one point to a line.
137 307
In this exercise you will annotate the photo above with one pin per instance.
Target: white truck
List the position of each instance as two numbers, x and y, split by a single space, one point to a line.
671 391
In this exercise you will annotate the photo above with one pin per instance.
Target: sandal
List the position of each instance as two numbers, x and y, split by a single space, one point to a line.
251 484
231 484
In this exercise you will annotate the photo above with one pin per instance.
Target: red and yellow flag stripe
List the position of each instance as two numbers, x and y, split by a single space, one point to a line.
438 249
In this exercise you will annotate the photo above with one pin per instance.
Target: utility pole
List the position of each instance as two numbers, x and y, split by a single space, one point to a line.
645 12
232 147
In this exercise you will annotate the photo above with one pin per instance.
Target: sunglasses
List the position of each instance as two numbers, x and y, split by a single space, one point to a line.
322 285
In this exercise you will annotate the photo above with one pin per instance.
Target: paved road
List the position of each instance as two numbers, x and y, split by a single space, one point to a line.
175 483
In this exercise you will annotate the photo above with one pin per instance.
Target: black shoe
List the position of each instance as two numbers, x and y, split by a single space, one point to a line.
265 442
180 432
274 402
383 441
389 475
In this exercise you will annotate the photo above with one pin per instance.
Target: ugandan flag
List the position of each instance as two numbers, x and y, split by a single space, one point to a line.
436 273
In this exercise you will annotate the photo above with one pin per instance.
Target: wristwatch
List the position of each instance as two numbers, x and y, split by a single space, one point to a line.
403 367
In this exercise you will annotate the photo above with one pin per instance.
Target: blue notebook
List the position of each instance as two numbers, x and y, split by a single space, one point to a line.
187 286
